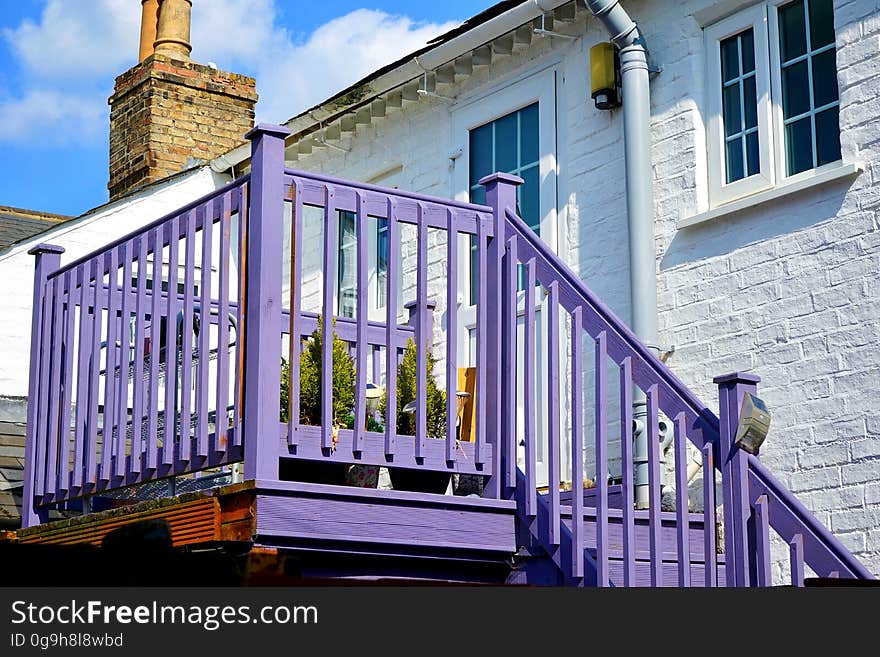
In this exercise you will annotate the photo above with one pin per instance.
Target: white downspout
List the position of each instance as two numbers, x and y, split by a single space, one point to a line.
639 202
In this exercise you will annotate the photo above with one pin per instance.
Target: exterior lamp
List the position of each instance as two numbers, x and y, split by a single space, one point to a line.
461 398
373 395
754 423
605 76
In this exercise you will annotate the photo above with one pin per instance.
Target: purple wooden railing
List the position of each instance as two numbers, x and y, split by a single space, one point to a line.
753 500
132 382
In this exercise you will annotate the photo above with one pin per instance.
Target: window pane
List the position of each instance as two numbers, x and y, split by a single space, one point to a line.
748 50
795 89
821 23
827 137
347 292
799 146
529 198
792 31
381 261
729 59
752 154
734 160
478 195
824 78
475 275
480 153
732 116
750 102
506 143
528 134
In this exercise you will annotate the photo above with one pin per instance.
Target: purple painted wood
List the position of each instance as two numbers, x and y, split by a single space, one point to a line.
110 422
44 400
138 426
451 336
424 339
509 356
295 318
48 480
186 339
67 387
82 381
362 347
734 473
204 344
653 422
577 442
530 399
262 375
391 332
554 474
223 325
796 555
155 340
626 464
122 397
96 300
762 542
681 500
329 260
243 200
482 347
601 420
709 548
47 260
172 370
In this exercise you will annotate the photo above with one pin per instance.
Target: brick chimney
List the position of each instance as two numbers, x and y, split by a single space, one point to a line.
168 109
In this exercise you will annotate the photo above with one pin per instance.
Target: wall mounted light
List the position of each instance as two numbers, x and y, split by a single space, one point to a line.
754 423
605 76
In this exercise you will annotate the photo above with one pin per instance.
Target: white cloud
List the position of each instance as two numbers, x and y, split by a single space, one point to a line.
69 58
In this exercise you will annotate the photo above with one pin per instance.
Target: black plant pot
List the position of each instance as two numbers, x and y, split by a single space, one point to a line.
419 481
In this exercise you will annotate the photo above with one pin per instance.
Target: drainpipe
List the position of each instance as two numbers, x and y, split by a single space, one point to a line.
639 204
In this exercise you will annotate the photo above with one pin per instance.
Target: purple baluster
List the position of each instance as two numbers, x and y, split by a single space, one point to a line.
97 301
553 432
47 261
221 422
626 465
363 295
762 541
67 386
391 332
529 386
171 353
186 342
262 374
110 367
682 517
136 464
82 380
45 398
451 333
710 556
241 330
423 336
126 250
509 365
206 212
295 341
577 442
796 554
155 340
656 547
601 418
54 433
327 419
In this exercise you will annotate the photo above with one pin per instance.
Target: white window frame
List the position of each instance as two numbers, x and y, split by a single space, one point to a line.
719 190
778 117
763 18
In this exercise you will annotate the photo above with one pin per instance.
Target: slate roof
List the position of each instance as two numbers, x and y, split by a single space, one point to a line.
17 224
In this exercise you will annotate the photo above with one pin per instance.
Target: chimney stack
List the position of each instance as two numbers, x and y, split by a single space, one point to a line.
168 109
149 21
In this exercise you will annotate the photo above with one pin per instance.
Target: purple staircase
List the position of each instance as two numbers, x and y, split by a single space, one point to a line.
132 382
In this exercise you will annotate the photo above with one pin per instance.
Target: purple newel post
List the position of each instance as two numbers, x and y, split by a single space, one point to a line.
47 260
734 475
262 361
500 195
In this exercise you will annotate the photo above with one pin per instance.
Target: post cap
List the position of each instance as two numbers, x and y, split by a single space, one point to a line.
737 377
267 129
430 303
499 177
45 247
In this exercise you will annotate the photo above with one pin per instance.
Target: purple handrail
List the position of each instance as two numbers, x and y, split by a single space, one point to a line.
768 504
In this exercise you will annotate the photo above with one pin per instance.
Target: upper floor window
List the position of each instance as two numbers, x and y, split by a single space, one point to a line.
773 110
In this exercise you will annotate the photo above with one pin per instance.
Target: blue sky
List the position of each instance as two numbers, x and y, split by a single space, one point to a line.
58 60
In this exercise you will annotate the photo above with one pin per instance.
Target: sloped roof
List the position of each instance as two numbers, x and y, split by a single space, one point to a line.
17 224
